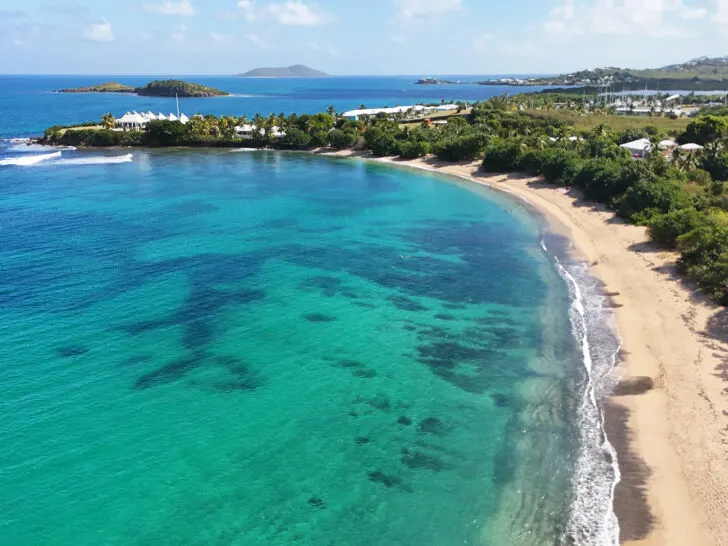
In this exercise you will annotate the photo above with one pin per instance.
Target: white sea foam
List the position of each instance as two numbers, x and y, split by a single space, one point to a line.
238 150
96 160
592 520
18 140
30 159
36 148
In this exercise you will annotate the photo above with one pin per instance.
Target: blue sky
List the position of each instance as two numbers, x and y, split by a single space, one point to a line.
418 37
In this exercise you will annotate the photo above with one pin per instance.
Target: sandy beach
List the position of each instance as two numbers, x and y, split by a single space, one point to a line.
672 439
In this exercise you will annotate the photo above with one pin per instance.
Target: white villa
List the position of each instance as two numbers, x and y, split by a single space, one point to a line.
418 109
640 148
246 131
135 121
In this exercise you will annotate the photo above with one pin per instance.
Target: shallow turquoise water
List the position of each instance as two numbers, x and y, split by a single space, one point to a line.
267 348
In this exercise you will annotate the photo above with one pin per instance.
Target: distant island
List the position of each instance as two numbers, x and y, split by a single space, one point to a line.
110 87
702 74
435 81
156 88
294 71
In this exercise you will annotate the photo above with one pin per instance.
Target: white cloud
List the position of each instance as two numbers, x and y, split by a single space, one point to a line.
99 32
417 9
257 40
248 7
315 46
693 14
295 12
226 39
291 12
650 18
721 12
504 47
180 34
170 7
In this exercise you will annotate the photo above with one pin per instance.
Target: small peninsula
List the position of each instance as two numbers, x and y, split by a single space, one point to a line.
294 71
435 81
110 87
156 88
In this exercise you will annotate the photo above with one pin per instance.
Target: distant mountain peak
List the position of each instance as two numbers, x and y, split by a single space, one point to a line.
293 71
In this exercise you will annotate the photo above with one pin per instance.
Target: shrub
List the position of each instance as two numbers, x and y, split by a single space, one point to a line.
461 148
645 199
503 155
412 150
666 228
704 258
380 143
295 139
343 139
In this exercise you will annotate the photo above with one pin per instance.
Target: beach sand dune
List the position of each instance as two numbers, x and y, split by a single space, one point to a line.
669 418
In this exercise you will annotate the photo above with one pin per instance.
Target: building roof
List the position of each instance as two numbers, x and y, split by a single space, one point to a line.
664 144
132 117
691 147
398 109
640 145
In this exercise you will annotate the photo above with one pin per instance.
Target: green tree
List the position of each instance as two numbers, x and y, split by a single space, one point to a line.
705 130
342 139
108 121
295 139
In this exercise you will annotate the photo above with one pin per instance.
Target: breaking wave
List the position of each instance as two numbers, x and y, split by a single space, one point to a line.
36 148
26 160
98 160
592 520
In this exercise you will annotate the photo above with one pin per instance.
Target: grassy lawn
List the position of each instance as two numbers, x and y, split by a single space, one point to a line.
617 123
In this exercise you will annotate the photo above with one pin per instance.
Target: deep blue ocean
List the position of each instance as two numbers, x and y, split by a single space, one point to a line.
29 105
241 348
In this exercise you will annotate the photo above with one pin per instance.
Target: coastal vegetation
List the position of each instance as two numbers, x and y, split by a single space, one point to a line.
156 88
679 195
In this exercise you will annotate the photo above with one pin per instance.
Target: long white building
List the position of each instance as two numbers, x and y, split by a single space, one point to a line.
419 109
134 120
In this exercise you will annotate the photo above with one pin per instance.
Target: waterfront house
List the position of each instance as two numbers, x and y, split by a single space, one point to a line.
132 121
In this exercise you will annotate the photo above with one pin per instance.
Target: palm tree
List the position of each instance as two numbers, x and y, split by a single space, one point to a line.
331 111
108 121
685 161
601 131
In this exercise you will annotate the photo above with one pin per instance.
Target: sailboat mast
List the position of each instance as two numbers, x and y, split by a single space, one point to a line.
176 98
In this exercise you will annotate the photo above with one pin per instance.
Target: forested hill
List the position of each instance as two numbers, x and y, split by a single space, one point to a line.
702 74
170 88
294 71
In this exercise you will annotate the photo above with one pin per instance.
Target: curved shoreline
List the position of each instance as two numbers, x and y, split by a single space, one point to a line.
671 440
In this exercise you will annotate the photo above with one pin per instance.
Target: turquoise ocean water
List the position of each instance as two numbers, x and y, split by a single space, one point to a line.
268 348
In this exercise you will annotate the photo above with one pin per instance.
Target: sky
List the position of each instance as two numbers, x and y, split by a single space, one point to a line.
347 37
